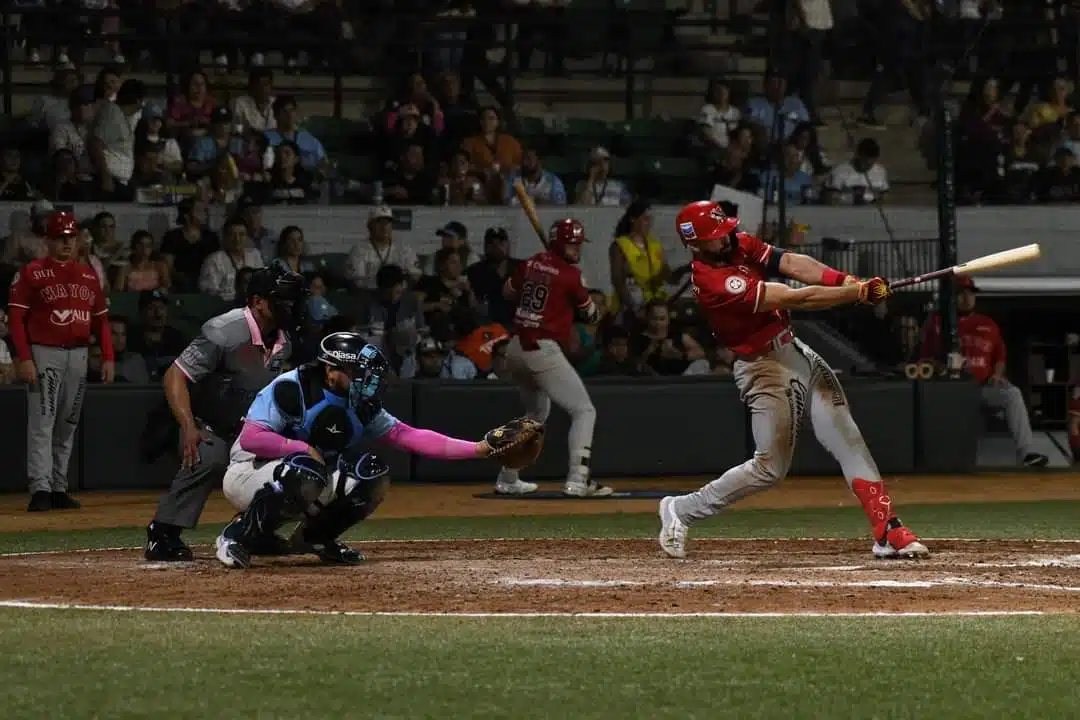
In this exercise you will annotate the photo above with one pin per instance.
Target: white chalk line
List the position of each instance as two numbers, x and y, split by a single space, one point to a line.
33 605
692 584
702 541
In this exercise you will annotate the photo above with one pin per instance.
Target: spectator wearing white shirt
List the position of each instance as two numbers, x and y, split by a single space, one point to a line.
72 134
863 180
51 109
599 188
218 274
112 141
255 110
380 249
718 118
813 20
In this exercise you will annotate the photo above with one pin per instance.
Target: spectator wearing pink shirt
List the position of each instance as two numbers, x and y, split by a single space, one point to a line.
189 112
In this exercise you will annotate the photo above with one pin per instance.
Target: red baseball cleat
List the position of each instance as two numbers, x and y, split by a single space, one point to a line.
900 544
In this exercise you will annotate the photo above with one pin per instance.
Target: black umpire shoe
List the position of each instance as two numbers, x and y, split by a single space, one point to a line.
62 501
41 501
163 544
1035 460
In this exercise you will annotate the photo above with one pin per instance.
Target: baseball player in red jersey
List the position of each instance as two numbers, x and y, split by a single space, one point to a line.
984 357
54 304
548 291
778 376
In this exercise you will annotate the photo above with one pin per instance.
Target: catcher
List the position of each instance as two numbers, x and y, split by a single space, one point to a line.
299 457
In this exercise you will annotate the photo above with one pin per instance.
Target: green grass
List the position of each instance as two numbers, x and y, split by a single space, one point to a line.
82 664
118 665
1046 520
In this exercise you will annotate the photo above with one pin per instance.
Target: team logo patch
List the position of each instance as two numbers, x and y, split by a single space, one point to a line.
735 285
687 231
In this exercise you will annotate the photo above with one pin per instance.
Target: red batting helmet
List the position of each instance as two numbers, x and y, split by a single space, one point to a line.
61 224
565 232
703 221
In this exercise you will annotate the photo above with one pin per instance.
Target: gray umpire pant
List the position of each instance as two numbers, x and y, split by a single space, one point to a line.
1009 398
54 406
191 487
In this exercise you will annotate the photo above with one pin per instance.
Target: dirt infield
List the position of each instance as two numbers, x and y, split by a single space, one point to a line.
133 509
785 576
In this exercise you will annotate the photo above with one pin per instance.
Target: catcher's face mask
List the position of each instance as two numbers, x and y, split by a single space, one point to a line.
367 376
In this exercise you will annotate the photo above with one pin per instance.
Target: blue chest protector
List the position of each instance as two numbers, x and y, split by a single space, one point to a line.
298 405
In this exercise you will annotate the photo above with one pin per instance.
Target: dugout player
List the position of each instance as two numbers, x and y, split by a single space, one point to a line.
302 426
780 378
547 291
209 387
54 304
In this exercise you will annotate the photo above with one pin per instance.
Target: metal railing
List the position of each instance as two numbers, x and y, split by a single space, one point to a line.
634 40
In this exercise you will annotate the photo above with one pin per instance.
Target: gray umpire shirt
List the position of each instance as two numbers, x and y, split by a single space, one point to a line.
227 364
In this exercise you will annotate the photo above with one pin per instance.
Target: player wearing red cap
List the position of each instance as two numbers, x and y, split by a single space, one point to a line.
54 304
548 292
779 377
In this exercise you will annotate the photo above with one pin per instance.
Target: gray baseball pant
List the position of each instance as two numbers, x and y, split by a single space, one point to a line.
544 376
191 487
54 407
1009 398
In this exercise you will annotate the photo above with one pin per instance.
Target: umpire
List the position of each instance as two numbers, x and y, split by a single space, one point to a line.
209 388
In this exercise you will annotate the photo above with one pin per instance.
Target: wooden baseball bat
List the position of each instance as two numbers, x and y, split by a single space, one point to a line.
529 208
993 261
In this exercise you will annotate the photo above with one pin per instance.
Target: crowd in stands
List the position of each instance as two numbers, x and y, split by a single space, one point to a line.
104 139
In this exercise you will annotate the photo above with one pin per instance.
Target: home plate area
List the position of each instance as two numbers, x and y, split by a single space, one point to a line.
575 576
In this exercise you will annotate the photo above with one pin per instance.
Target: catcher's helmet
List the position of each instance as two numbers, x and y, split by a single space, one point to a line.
61 225
363 363
564 233
285 290
704 221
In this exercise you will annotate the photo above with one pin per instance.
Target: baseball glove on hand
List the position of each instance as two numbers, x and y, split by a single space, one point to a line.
873 291
516 444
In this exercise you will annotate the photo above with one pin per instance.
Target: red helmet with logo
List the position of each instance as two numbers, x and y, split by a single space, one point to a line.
564 233
61 224
703 221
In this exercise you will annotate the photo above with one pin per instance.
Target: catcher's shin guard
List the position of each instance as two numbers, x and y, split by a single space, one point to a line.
298 480
359 489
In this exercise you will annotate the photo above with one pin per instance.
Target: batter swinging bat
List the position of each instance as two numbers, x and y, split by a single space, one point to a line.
993 261
529 208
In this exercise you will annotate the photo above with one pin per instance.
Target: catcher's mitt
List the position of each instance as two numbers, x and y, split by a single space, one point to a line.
516 444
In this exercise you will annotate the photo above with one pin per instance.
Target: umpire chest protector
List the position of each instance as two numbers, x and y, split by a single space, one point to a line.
319 417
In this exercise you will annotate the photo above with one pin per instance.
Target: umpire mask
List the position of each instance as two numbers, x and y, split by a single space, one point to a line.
285 292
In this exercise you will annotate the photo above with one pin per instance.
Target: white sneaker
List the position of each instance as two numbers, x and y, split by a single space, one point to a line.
514 487
585 488
672 530
231 553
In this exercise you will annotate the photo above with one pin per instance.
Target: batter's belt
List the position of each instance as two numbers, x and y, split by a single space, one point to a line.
784 337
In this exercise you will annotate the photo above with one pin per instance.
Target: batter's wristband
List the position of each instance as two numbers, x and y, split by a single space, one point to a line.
833 278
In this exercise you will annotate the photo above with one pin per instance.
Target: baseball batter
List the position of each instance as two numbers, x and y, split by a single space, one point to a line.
54 304
779 377
547 291
301 427
209 387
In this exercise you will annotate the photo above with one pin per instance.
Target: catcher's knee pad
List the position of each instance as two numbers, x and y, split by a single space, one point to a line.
359 488
300 479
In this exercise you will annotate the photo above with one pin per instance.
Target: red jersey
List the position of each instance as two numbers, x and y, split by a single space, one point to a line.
980 341
55 303
729 295
549 291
